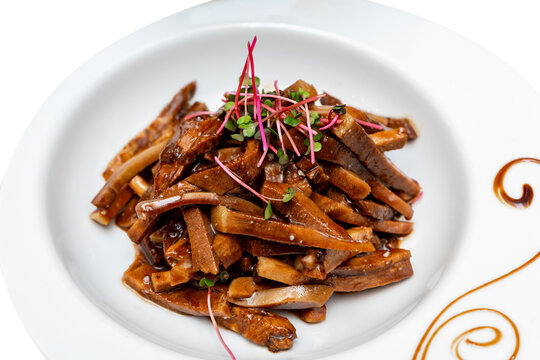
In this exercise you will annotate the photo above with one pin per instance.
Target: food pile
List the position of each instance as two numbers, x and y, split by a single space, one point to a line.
275 201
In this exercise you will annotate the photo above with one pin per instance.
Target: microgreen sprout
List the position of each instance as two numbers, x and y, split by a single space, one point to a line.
230 125
340 109
238 137
204 282
314 118
289 194
249 131
268 211
223 276
283 158
291 121
229 105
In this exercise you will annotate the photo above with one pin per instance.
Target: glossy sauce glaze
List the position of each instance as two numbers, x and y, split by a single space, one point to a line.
423 346
498 186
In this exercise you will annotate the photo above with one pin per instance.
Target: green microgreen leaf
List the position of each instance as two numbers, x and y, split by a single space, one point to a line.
268 102
271 131
314 117
293 95
316 146
244 120
230 125
268 211
267 132
223 276
204 282
283 157
317 136
289 195
239 137
294 112
303 94
229 105
249 82
291 121
340 109
249 131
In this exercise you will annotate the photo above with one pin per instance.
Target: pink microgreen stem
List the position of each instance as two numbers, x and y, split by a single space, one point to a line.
280 138
227 116
271 96
215 324
198 113
289 137
237 179
368 124
274 150
417 198
268 108
311 146
278 100
242 80
255 96
330 124
304 127
301 103
262 158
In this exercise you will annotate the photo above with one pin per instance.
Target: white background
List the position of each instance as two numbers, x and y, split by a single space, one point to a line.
42 42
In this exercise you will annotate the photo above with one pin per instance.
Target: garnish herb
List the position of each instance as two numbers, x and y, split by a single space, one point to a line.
238 137
244 121
289 195
229 105
250 82
249 131
223 276
314 118
291 121
283 158
205 282
231 126
268 211
340 109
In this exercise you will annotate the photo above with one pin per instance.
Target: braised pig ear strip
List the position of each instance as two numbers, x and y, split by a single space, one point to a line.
275 201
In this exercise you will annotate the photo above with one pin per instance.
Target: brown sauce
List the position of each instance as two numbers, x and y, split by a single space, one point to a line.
498 186
421 350
423 346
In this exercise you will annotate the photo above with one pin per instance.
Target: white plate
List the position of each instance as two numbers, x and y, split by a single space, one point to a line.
468 106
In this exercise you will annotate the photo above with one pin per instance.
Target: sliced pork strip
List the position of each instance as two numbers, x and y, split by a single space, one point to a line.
201 238
234 222
359 142
397 272
177 155
288 298
301 209
379 260
261 327
185 301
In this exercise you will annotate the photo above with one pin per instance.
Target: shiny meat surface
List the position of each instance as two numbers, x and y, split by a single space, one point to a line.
261 327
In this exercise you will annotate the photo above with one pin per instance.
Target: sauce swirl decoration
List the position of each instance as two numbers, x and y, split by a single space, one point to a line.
498 186
423 346
425 342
